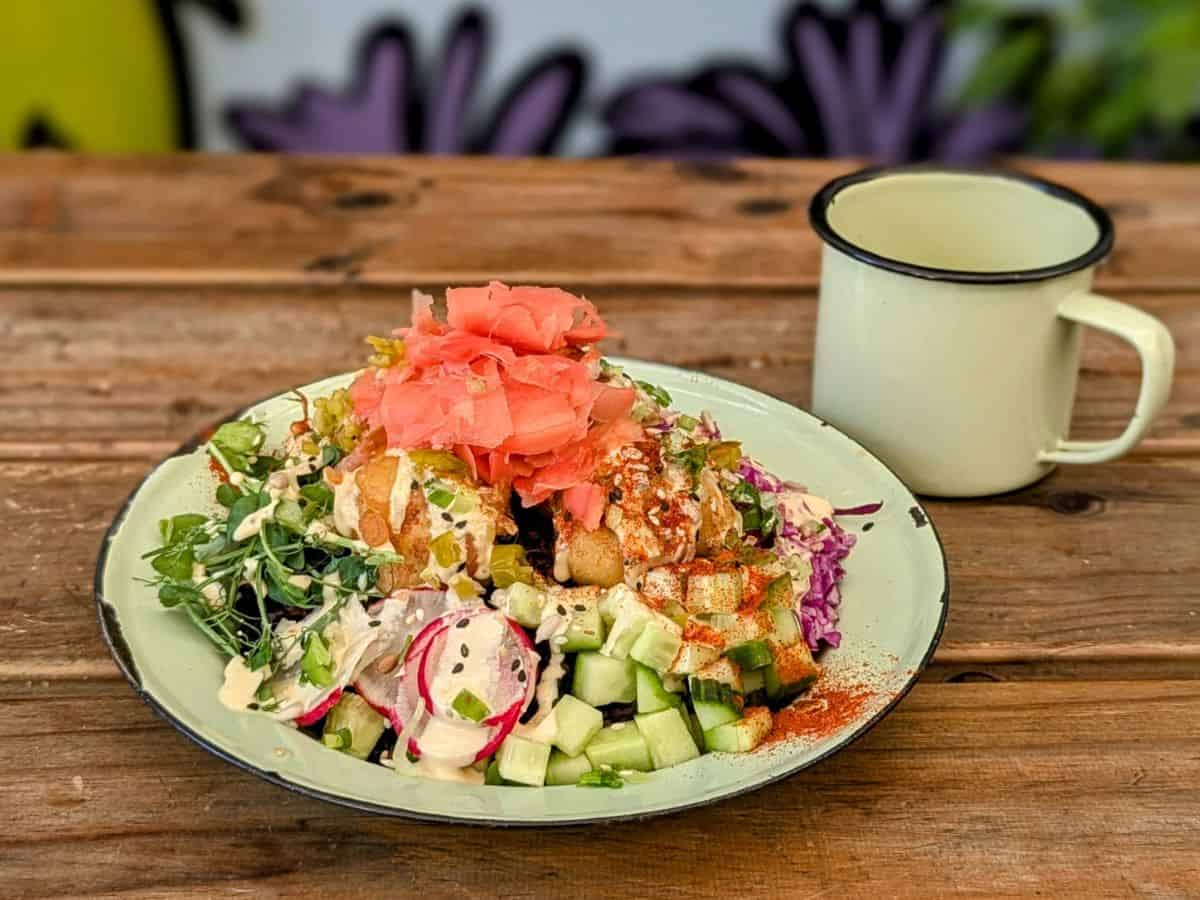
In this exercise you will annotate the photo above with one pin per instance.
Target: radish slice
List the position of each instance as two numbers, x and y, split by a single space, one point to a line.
401 618
316 715
486 654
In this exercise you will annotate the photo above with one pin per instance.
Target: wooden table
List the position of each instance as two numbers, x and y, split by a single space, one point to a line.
1053 748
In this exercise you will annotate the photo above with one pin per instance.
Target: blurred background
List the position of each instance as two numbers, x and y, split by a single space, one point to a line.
956 81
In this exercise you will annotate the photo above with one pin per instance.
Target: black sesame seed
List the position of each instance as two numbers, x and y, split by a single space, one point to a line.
461 523
462 623
516 664
375 623
562 610
446 517
664 506
458 667
415 485
579 607
615 495
464 650
521 676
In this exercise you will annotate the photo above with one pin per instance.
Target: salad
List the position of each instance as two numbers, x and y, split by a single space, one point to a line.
497 558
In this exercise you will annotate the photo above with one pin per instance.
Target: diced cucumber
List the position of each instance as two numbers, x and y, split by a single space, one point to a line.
779 594
620 746
364 725
743 735
667 737
787 629
751 655
600 679
792 672
524 604
693 725
585 628
664 587
725 671
710 690
577 724
523 761
612 600
658 644
632 618
651 695
563 769
693 655
719 592
491 775
752 681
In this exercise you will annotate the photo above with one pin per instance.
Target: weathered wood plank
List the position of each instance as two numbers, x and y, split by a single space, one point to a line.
91 373
270 220
1023 786
1094 563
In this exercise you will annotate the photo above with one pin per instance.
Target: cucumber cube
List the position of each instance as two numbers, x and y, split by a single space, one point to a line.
668 738
600 679
632 618
620 746
713 713
523 761
651 695
693 655
657 645
613 599
578 723
564 769
354 715
693 725
723 671
743 735
524 604
585 628
752 681
720 592
786 628
792 672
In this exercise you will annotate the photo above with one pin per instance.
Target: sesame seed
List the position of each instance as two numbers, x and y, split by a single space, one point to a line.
618 726
447 517
458 667
562 610
521 676
579 607
462 623
464 651
516 664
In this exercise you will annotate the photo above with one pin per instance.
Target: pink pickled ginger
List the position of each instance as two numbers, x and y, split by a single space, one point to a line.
509 383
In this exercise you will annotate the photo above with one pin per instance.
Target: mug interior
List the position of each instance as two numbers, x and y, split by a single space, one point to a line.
962 225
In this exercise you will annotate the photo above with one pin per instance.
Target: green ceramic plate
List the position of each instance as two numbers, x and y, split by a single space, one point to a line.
894 606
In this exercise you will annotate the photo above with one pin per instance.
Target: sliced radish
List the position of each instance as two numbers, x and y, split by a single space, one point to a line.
313 716
402 617
487 654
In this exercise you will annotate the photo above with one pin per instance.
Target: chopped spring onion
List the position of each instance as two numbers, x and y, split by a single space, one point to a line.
316 662
600 778
341 739
441 461
509 566
445 549
470 707
440 497
725 454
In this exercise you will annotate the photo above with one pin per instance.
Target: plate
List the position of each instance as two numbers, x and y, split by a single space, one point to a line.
894 605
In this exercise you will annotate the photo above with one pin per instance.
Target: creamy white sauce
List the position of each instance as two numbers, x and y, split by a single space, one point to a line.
799 507
477 670
249 526
345 506
241 684
401 490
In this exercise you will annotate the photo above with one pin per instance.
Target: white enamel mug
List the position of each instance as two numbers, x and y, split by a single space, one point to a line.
949 325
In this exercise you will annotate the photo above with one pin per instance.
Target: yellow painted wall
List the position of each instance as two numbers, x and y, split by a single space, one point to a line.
97 70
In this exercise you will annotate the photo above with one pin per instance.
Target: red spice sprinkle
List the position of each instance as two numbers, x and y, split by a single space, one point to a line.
218 470
755 589
703 634
820 715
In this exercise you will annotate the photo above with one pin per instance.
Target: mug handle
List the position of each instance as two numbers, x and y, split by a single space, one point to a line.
1153 343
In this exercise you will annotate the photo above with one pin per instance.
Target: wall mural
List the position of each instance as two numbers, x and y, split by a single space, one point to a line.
863 81
393 104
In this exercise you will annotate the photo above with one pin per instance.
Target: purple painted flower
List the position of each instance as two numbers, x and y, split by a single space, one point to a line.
391 108
860 83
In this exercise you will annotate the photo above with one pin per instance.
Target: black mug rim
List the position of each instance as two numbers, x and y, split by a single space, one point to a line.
819 207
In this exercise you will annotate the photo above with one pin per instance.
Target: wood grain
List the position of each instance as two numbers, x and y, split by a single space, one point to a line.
1052 572
270 220
126 373
961 791
1050 750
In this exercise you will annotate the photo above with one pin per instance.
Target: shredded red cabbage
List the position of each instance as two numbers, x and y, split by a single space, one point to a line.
864 509
819 605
